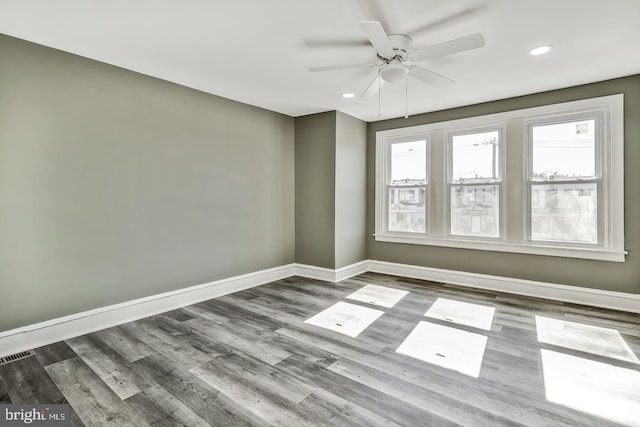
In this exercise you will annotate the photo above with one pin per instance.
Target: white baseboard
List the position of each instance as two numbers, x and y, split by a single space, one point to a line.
331 275
351 270
50 331
573 294
313 272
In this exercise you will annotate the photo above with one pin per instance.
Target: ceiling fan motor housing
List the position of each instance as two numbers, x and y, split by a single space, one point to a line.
394 70
402 45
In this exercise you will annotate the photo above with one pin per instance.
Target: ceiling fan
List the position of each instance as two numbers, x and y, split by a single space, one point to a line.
395 50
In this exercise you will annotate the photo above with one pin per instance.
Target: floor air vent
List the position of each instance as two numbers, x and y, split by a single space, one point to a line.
15 357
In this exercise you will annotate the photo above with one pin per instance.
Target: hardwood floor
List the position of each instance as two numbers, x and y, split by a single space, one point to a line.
250 359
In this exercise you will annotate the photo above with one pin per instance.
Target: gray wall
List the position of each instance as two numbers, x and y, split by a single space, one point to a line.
315 150
116 186
330 189
350 197
624 277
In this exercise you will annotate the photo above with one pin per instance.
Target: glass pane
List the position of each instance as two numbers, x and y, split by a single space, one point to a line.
475 211
475 157
564 213
564 150
409 163
407 209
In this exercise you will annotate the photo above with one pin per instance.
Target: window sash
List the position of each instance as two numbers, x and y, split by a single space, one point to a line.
600 226
426 209
388 156
449 213
497 162
597 115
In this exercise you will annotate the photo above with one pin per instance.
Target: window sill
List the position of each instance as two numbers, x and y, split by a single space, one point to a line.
531 249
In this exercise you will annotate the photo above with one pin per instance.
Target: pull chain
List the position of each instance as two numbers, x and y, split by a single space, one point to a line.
379 94
406 96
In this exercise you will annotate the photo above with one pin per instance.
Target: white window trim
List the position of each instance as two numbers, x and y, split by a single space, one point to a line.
612 248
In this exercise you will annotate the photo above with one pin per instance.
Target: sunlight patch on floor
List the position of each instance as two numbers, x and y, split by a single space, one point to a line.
591 339
378 295
345 318
446 347
595 388
462 313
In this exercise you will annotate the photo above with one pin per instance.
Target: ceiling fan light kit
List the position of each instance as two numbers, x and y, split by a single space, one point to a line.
394 73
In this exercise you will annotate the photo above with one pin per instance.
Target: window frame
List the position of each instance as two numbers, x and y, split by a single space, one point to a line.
387 182
448 137
598 115
515 196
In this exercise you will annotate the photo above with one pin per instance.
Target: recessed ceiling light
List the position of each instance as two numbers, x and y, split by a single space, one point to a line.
540 50
348 95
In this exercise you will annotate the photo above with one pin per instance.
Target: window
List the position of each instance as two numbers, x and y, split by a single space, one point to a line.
474 184
407 186
564 180
545 180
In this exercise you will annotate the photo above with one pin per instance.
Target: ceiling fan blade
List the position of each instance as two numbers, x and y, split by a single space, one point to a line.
429 77
455 18
373 87
342 67
378 38
335 43
462 44
367 10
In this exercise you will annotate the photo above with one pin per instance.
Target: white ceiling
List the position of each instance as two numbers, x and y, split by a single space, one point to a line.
258 51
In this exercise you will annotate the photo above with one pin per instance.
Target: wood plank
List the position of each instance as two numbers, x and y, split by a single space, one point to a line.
125 344
95 403
27 382
202 311
370 399
158 407
247 390
4 393
179 350
225 312
179 315
110 366
241 341
207 402
331 410
54 353
243 371
420 397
